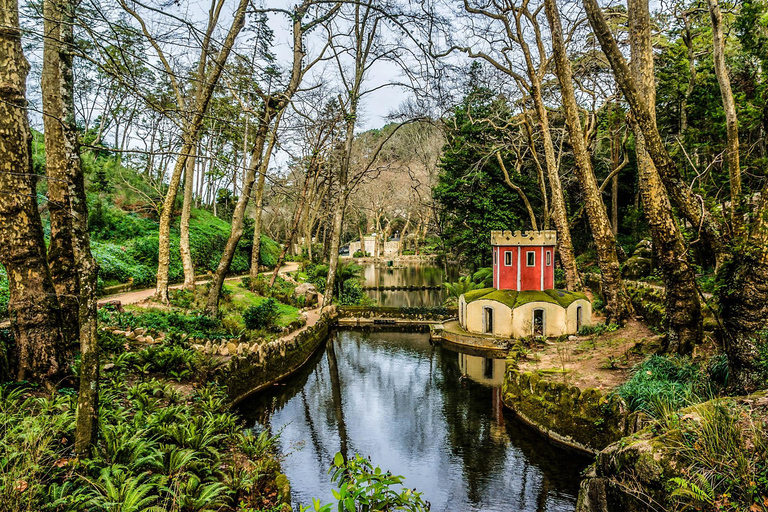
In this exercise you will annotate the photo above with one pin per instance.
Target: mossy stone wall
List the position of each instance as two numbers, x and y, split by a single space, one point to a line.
586 420
404 313
254 371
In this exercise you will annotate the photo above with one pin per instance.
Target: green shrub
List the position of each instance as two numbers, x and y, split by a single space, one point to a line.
663 384
361 254
167 321
261 316
352 293
365 487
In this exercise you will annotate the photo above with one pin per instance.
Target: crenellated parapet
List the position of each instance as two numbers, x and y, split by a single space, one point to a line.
531 238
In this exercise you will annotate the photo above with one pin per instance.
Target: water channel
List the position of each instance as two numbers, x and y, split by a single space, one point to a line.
426 412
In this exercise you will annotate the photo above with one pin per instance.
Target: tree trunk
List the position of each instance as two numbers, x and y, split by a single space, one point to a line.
61 257
259 159
729 106
682 197
186 211
66 171
296 219
615 182
257 228
33 307
683 319
335 242
618 305
559 213
743 309
203 93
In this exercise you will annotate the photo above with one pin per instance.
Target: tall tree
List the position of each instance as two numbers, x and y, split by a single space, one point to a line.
33 306
618 305
210 66
729 105
67 184
516 24
274 104
743 301
684 328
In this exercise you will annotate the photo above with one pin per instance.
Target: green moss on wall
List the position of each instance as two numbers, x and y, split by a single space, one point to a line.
566 298
477 294
514 299
586 419
506 297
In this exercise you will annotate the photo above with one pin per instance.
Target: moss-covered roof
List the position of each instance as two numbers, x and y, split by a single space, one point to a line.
514 299
476 294
566 298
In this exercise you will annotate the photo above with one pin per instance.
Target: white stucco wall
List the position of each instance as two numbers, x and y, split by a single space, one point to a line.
518 323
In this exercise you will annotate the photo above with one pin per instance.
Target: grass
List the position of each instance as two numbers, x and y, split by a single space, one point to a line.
663 384
242 299
725 456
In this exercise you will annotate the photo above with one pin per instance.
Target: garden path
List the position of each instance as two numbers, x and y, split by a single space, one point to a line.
135 296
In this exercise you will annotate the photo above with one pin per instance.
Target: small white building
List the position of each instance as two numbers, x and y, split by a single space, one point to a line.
521 304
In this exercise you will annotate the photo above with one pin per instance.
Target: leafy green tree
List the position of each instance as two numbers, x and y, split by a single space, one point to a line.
471 193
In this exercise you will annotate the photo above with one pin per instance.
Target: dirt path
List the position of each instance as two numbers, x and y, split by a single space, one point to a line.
135 296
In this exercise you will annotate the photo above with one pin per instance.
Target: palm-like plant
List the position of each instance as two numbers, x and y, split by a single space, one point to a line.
463 285
484 277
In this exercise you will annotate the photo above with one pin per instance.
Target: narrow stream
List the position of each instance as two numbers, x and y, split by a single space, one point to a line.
425 412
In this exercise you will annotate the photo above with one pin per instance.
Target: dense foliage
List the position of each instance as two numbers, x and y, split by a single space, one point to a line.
471 193
158 449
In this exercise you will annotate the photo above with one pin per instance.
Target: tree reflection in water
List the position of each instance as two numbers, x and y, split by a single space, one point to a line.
394 397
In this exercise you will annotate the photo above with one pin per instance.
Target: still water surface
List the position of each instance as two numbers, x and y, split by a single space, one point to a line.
428 413
412 274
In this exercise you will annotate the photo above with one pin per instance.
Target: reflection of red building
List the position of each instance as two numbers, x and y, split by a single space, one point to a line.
524 261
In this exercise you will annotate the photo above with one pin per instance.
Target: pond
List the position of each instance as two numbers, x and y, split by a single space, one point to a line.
425 412
415 274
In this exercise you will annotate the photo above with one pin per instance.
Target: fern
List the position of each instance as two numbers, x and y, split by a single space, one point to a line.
693 493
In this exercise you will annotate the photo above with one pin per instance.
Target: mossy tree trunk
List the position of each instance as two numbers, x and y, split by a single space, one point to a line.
743 301
729 106
33 306
58 158
679 193
618 304
64 168
684 320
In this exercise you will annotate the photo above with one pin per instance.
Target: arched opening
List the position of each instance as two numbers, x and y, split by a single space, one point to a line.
488 368
539 327
488 320
578 318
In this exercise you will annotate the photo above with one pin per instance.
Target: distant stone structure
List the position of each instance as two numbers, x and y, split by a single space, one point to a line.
523 300
386 249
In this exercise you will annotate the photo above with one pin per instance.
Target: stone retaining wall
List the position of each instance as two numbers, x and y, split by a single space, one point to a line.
252 370
404 313
587 420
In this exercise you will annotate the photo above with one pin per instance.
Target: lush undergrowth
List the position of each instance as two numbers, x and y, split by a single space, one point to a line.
186 318
725 457
662 384
160 447
126 246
